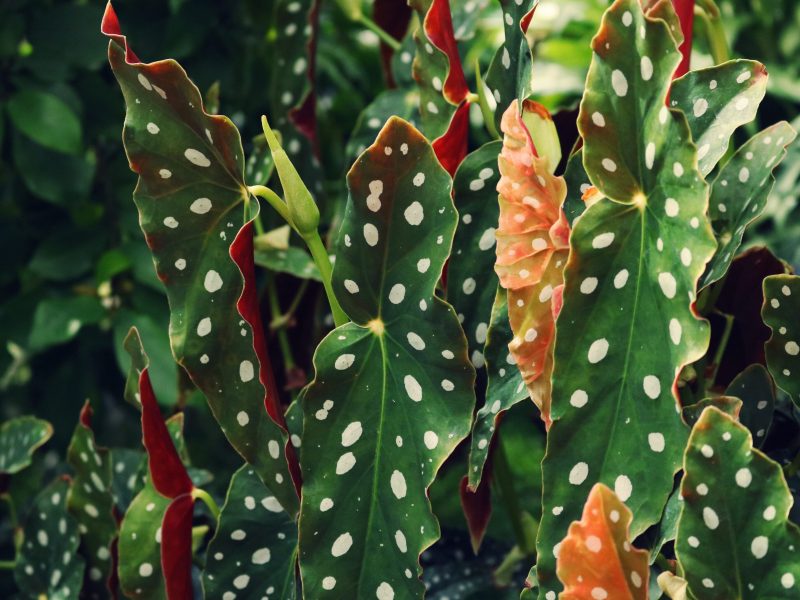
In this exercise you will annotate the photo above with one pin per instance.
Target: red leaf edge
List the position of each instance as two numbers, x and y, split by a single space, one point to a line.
439 29
176 548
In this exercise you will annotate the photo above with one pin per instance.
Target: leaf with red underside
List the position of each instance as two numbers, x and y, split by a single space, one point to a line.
169 477
596 559
91 503
532 249
509 74
192 201
477 508
440 78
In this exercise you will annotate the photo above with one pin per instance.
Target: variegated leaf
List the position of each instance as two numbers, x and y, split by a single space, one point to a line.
734 536
739 193
509 74
532 249
393 390
780 312
254 550
91 503
716 101
471 281
635 253
48 564
596 559
192 203
19 439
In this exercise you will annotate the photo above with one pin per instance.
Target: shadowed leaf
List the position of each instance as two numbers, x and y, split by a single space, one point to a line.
19 439
781 312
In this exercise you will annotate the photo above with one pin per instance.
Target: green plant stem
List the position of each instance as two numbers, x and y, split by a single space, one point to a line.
715 36
793 467
276 314
208 501
723 344
380 32
505 483
273 200
7 565
282 320
320 256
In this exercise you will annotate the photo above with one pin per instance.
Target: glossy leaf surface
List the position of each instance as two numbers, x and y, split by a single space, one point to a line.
636 253
755 388
19 439
596 559
393 390
740 191
716 101
191 199
734 537
780 312
254 550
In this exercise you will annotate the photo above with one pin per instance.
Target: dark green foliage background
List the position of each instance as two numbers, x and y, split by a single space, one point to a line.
76 273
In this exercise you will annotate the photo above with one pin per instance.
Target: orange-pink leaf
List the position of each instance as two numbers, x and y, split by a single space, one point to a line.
532 248
596 559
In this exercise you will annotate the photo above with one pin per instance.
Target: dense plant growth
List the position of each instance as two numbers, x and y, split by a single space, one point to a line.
526 308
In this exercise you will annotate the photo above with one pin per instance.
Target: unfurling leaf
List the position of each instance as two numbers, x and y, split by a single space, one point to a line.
636 253
393 390
532 249
781 312
734 537
191 198
596 559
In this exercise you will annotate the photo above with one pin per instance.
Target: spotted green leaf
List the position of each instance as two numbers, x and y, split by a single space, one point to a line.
140 574
129 469
509 74
19 439
739 193
504 387
577 183
48 563
471 281
755 388
254 550
716 101
402 103
439 78
290 99
635 253
91 502
192 201
780 313
393 390
734 537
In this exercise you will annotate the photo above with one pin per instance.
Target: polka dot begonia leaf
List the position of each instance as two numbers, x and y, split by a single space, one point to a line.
734 537
393 390
532 249
627 326
291 101
48 564
91 503
504 388
739 193
19 439
192 201
596 560
253 553
716 101
509 74
780 313
577 183
292 260
140 536
471 282
128 472
755 388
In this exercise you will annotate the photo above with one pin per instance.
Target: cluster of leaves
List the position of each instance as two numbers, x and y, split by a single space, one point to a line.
484 249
